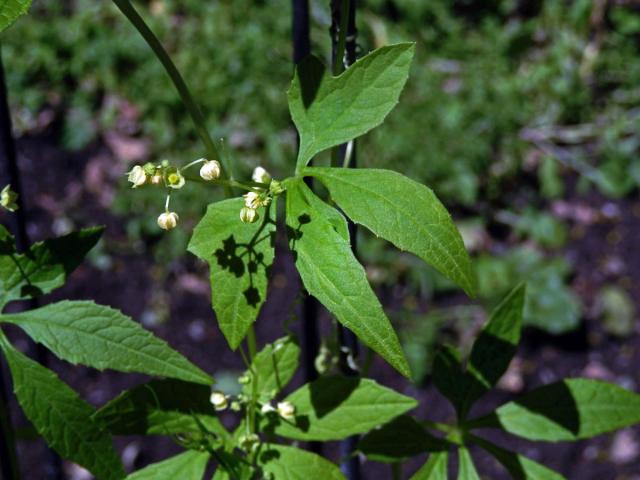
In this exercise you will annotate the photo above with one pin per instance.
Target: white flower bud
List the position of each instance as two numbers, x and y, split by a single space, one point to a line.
267 408
156 179
260 175
286 410
137 176
219 401
168 220
210 170
248 215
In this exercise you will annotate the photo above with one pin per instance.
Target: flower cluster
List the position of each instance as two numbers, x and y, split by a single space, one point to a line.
171 178
259 196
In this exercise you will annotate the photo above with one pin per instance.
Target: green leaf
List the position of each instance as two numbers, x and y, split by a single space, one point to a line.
45 266
189 465
519 466
331 110
161 407
404 212
495 347
398 440
294 464
60 416
10 10
466 468
570 409
274 366
435 468
240 257
331 273
82 332
336 407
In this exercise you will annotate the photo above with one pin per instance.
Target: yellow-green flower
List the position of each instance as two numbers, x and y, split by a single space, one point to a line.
8 199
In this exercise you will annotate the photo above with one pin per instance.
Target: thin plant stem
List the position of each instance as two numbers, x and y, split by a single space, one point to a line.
136 20
396 471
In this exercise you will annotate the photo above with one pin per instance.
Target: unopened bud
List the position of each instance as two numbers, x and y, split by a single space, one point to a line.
168 220
8 199
156 179
275 187
219 401
260 175
248 215
210 170
137 176
248 442
244 379
149 168
286 410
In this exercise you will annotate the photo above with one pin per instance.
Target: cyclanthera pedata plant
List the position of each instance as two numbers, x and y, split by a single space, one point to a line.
236 237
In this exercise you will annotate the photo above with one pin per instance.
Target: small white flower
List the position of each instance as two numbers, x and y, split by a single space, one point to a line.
156 179
248 215
137 176
168 220
175 179
219 400
248 442
260 175
286 410
210 170
267 408
251 200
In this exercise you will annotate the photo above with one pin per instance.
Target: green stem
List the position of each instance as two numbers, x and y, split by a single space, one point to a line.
249 186
443 427
136 20
396 471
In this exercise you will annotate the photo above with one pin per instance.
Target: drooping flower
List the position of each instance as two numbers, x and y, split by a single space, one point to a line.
137 176
210 170
168 220
286 410
248 215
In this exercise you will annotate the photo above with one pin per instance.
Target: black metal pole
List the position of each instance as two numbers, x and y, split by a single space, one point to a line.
310 336
346 338
11 174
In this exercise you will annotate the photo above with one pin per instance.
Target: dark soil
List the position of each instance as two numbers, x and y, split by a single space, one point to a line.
60 186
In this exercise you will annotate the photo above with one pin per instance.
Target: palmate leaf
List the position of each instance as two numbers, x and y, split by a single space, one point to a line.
240 258
10 10
402 211
82 332
189 465
161 407
274 366
490 356
398 440
331 273
466 468
518 466
336 407
295 464
60 416
435 468
571 409
494 348
45 266
329 110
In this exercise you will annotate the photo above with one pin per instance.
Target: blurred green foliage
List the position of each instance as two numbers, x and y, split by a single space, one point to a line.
505 98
